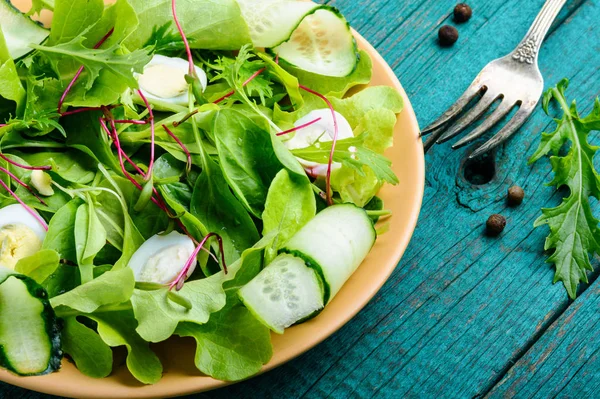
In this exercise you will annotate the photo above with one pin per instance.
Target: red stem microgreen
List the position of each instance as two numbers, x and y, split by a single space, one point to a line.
131 122
335 137
188 50
79 71
152 134
307 124
183 147
250 79
26 167
27 208
22 184
190 265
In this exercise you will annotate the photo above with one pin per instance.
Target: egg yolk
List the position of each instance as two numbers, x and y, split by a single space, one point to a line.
165 266
17 241
163 81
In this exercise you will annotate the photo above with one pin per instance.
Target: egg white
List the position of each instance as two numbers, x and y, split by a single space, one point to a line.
321 131
17 215
173 69
161 258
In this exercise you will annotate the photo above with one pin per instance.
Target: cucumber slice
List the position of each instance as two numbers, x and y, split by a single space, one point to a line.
284 293
271 22
334 243
29 336
323 43
19 30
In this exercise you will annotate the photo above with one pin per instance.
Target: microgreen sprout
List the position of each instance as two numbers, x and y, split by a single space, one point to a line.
335 137
22 184
26 167
79 71
307 124
27 208
183 147
190 265
250 79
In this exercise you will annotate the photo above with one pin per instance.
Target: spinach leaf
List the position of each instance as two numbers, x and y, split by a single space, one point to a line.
92 356
246 157
290 204
90 238
61 231
73 166
220 211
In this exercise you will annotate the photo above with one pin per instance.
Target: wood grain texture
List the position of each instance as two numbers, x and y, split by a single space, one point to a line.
462 308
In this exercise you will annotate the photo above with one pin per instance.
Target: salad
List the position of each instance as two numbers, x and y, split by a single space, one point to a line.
198 168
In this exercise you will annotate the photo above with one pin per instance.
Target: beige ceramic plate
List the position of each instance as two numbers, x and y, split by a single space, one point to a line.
180 375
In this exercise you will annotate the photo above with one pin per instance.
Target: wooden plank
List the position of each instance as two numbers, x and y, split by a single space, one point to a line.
461 307
565 362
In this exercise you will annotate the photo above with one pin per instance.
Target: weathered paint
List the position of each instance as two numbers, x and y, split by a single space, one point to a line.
461 308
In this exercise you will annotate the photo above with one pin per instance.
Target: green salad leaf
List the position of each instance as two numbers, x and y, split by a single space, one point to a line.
232 346
92 356
574 230
129 163
290 204
111 288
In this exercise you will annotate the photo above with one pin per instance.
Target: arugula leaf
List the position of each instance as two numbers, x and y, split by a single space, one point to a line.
122 66
165 39
574 230
111 288
92 356
290 204
118 329
351 153
237 71
39 266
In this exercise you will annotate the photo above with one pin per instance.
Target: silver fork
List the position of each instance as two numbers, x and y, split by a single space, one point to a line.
515 79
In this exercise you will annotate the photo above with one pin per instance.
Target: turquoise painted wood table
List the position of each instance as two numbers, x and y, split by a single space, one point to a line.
463 315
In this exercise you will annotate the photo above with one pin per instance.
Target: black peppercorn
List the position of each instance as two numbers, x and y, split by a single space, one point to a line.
448 35
515 196
462 13
495 224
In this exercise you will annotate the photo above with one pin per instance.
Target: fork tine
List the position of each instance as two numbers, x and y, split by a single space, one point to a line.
475 88
504 134
503 109
471 116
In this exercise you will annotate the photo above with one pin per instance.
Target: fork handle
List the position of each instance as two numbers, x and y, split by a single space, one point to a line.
527 51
